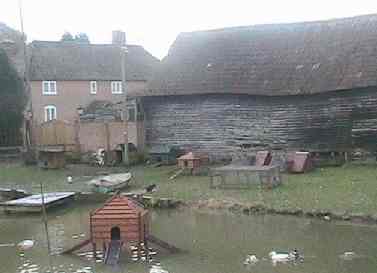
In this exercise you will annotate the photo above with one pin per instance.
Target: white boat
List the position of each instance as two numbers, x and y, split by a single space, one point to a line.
109 183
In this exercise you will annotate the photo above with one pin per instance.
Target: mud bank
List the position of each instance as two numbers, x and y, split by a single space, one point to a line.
257 208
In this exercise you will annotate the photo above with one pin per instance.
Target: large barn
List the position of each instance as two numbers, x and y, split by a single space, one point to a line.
310 85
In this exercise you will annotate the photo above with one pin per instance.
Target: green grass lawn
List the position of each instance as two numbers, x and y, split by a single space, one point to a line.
351 188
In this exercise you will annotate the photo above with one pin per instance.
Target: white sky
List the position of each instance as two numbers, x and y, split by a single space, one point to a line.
155 24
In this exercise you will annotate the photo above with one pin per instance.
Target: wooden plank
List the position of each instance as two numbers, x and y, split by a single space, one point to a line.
131 236
77 247
113 224
125 211
110 224
125 206
163 244
122 229
120 217
113 212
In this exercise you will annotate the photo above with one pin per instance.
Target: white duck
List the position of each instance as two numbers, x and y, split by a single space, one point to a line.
280 256
348 255
25 244
157 269
250 259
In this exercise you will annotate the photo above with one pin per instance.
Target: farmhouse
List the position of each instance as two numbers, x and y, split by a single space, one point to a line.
68 75
310 85
72 81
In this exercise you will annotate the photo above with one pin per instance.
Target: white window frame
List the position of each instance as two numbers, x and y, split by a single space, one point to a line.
50 115
93 87
116 87
51 88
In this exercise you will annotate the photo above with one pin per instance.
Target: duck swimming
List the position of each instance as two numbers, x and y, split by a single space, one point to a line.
282 256
157 269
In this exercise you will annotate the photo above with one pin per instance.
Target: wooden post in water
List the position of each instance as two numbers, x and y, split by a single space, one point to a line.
46 225
94 251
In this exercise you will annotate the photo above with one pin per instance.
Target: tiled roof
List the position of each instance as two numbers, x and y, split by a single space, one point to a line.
75 61
273 60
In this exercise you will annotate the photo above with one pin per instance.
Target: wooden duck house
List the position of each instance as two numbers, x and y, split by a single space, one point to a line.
192 162
189 161
121 219
121 223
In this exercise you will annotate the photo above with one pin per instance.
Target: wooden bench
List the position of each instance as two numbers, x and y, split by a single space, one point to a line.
239 177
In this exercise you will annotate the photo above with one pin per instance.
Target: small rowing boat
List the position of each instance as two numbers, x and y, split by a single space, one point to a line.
110 183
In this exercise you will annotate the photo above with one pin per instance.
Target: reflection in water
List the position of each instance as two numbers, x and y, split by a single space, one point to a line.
214 243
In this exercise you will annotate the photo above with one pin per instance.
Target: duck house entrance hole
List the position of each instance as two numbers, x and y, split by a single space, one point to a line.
115 233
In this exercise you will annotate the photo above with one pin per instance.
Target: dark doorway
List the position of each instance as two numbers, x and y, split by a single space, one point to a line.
115 233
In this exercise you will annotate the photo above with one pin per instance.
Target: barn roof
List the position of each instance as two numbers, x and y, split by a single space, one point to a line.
75 61
273 60
119 207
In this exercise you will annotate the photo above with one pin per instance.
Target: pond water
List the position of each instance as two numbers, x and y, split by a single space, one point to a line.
215 243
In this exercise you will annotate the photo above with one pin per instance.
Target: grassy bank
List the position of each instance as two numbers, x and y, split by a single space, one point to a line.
348 189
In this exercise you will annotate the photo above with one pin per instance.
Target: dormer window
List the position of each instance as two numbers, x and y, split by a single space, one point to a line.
116 87
49 88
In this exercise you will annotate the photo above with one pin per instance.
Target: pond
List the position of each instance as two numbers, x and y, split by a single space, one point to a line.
215 242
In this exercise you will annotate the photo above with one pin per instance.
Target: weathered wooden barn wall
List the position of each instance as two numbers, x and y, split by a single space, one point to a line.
222 124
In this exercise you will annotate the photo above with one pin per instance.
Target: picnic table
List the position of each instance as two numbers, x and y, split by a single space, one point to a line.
234 176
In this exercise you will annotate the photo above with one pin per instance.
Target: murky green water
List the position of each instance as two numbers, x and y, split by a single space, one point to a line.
215 243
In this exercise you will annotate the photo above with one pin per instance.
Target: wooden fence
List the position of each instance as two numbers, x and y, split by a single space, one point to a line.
83 136
57 133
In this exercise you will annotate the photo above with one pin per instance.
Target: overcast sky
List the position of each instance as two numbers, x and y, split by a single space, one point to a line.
154 24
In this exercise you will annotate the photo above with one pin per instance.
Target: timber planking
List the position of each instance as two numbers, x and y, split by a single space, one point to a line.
224 124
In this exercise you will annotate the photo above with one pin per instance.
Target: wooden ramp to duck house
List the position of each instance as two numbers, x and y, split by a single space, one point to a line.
120 219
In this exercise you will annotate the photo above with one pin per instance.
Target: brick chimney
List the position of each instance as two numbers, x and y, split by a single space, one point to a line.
119 38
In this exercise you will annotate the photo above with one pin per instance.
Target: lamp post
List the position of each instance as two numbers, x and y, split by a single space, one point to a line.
123 53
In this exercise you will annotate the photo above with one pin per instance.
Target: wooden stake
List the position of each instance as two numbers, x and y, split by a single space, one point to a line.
46 225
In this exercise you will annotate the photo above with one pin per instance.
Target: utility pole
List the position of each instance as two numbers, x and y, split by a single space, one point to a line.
123 53
28 107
